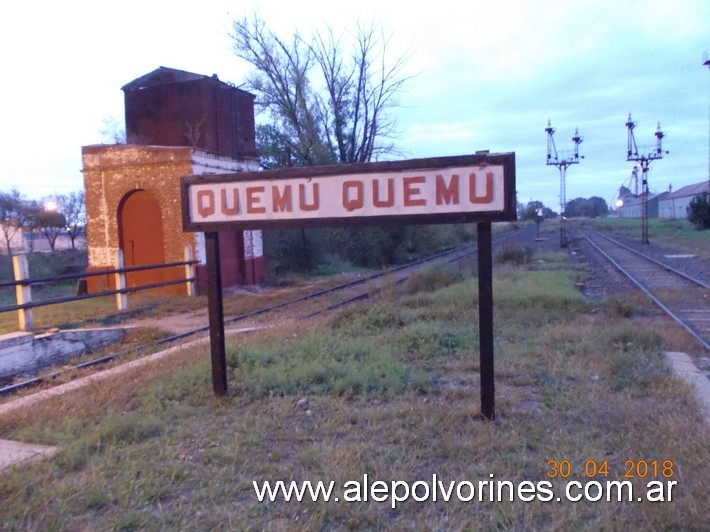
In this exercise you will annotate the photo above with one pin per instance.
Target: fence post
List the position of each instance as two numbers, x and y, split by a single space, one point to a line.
23 293
189 271
121 297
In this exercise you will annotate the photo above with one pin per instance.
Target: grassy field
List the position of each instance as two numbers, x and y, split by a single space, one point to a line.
673 234
387 389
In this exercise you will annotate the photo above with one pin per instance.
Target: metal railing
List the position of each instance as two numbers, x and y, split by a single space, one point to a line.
23 284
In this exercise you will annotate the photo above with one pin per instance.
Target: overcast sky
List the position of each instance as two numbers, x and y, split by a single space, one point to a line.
489 75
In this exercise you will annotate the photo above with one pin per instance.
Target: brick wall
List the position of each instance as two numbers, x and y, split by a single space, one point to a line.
112 172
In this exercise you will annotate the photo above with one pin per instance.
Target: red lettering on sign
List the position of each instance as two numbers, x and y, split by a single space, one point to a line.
376 201
447 193
226 209
472 189
282 200
410 190
357 202
205 203
253 201
315 204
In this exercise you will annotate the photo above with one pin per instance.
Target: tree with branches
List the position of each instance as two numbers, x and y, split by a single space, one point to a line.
327 104
73 207
113 130
12 216
50 222
329 101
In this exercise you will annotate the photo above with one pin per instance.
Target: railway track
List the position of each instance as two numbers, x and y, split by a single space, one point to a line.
683 297
300 308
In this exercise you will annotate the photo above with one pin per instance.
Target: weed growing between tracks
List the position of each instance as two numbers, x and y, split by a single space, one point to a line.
389 389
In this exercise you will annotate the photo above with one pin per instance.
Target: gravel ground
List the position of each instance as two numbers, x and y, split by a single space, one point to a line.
687 262
603 278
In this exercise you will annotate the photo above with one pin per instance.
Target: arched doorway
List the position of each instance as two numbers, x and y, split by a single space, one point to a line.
140 233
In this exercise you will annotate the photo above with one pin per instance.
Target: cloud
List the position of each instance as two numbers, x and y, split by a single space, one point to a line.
490 74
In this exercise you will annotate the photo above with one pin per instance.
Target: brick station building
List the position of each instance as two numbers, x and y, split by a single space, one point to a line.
177 123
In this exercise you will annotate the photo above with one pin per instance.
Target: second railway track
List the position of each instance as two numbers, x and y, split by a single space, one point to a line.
684 298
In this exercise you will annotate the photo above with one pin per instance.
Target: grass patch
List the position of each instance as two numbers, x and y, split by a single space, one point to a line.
671 233
388 389
510 252
543 290
432 278
319 364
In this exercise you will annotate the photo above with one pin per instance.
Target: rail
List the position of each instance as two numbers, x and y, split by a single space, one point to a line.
23 284
645 289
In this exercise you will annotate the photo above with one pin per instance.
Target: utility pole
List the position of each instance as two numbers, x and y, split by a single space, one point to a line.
632 154
553 159
706 62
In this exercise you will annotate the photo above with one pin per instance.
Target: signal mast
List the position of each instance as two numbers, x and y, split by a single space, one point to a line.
632 154
553 159
635 176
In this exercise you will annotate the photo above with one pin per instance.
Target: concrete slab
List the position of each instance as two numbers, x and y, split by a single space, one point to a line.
683 366
23 352
14 452
50 393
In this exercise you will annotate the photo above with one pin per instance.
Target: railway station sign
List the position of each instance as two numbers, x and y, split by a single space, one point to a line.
468 188
472 188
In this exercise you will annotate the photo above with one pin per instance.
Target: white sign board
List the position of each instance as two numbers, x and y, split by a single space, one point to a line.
420 190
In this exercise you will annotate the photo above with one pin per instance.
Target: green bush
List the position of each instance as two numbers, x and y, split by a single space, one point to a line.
432 279
512 253
317 250
699 211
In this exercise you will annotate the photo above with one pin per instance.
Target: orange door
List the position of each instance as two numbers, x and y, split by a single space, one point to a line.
140 226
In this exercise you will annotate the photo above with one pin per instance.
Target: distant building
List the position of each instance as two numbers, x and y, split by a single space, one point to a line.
632 205
177 123
675 204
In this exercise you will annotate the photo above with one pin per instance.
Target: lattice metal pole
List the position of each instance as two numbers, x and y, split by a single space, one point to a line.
706 62
562 163
644 160
563 206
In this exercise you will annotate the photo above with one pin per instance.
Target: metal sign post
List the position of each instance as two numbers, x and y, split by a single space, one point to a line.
476 188
485 319
216 315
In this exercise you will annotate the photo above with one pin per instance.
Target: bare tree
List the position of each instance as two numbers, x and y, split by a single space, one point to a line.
73 207
31 214
359 91
11 216
50 222
193 130
113 130
280 79
347 120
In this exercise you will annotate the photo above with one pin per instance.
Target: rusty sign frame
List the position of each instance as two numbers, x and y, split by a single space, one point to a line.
391 170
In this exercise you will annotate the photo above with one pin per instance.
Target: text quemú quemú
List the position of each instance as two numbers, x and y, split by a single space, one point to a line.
439 191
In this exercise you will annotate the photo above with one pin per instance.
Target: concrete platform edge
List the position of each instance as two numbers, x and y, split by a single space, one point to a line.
684 368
